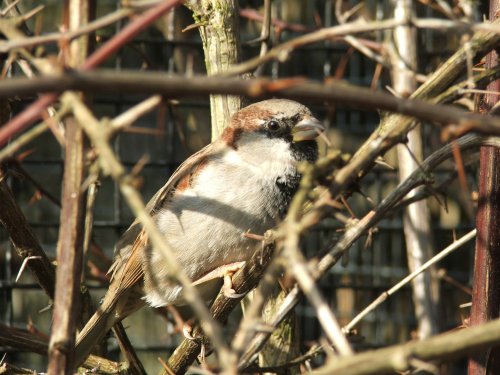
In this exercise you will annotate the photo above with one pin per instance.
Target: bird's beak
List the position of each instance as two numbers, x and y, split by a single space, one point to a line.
307 129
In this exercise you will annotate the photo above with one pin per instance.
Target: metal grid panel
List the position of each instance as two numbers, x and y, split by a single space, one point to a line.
350 288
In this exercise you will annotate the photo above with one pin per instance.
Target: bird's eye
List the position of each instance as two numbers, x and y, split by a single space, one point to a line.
273 125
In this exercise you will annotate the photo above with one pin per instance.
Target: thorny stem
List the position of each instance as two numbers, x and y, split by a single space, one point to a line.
338 92
111 166
34 111
301 272
355 231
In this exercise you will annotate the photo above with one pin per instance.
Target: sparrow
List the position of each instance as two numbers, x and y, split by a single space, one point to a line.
242 182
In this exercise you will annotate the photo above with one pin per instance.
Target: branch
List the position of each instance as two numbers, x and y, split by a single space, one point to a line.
442 254
67 307
111 166
418 177
69 254
243 281
282 51
416 217
24 240
23 340
353 233
219 31
120 122
338 92
392 129
34 111
8 45
301 272
398 358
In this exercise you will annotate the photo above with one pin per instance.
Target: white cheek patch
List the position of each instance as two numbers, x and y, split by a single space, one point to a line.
231 157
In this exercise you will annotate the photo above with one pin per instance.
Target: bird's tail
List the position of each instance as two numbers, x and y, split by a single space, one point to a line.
94 331
113 309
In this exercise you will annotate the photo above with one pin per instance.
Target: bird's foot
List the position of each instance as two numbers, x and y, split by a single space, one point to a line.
227 288
186 332
220 272
225 272
228 271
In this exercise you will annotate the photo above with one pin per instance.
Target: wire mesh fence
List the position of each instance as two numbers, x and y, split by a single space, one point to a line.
178 128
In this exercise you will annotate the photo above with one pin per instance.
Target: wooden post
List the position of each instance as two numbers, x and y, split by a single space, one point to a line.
67 307
486 287
416 218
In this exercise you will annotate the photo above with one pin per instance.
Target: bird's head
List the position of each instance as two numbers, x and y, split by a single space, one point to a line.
281 120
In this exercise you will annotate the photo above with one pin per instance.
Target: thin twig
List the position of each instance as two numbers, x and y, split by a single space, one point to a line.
310 354
128 117
398 358
9 150
34 111
282 51
111 166
301 272
265 34
24 240
135 365
342 18
380 299
355 231
108 19
25 341
9 7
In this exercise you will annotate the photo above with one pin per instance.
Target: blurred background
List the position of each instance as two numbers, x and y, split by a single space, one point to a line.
178 128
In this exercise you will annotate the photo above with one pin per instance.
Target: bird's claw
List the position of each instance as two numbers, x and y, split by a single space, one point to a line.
226 272
227 288
186 332
231 293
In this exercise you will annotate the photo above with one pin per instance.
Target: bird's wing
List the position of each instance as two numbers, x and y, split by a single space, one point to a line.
133 242
124 293
187 168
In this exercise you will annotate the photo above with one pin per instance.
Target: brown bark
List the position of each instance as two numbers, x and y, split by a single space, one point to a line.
24 240
243 281
69 256
67 304
486 286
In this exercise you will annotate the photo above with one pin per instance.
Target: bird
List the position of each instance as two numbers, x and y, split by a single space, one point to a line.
242 182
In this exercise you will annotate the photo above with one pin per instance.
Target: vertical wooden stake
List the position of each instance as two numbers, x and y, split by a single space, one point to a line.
416 219
69 256
486 288
70 244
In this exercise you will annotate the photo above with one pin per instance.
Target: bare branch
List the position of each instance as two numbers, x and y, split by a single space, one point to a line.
34 111
8 45
282 51
355 231
243 281
338 92
302 274
24 239
23 340
398 358
380 299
